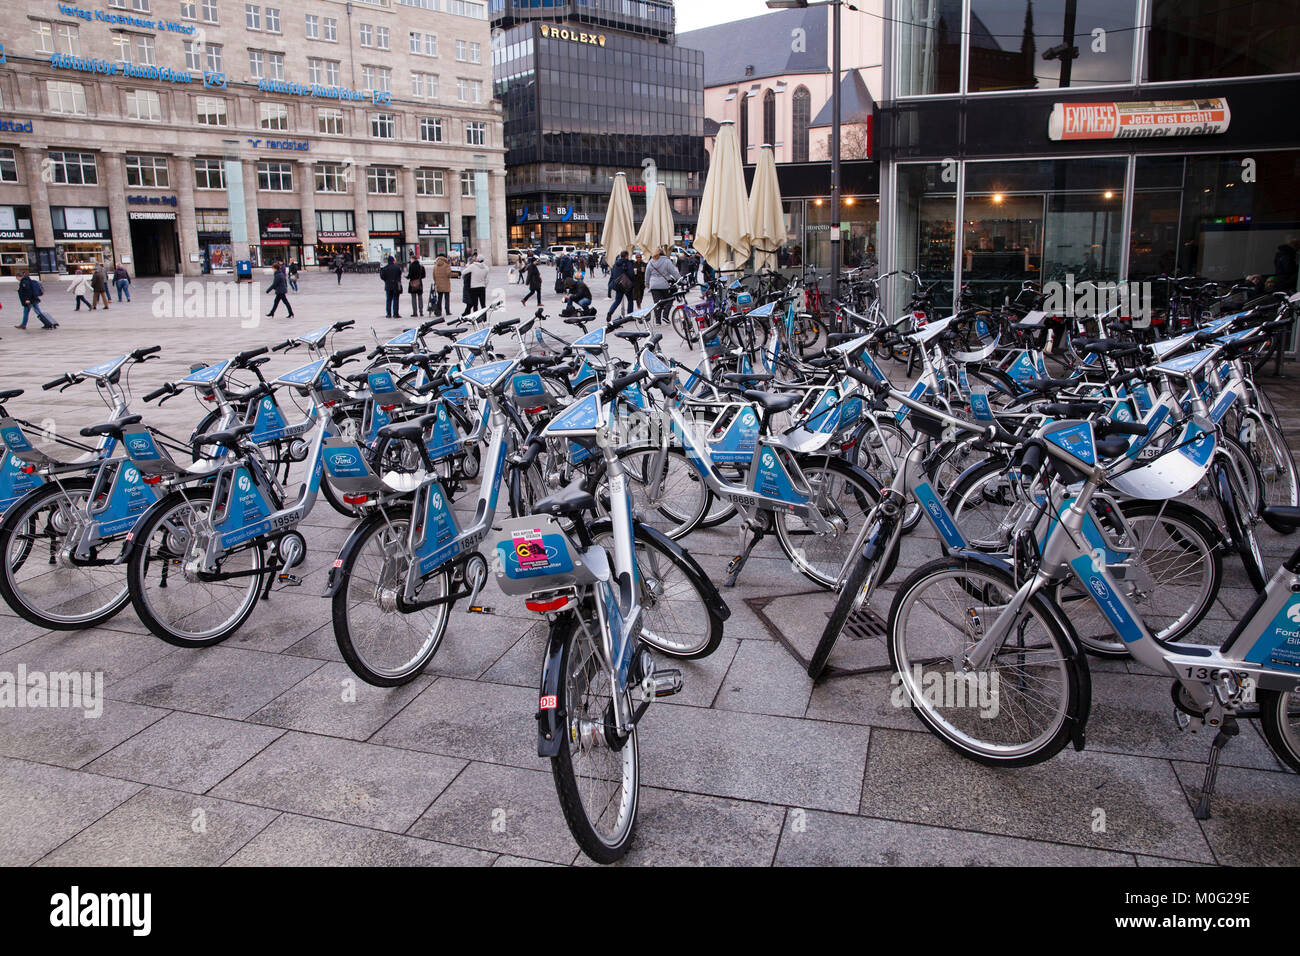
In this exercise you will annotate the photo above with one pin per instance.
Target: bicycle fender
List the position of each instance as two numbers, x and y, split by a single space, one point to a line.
713 599
1074 648
128 543
550 722
337 576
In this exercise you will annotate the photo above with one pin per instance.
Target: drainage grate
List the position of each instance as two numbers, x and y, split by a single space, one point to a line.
864 625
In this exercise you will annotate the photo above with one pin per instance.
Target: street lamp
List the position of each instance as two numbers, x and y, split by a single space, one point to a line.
835 123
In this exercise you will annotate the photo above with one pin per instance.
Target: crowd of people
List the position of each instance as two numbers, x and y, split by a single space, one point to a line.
626 281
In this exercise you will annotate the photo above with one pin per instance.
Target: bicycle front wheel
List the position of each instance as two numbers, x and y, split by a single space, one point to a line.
845 496
1279 717
1024 705
597 770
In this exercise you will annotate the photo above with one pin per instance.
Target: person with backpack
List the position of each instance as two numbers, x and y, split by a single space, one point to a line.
415 285
122 280
29 296
98 287
579 298
293 274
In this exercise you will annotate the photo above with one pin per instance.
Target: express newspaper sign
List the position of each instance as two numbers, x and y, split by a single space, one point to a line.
1139 120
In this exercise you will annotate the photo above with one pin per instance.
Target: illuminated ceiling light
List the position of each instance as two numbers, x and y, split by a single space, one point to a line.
997 197
1108 194
848 200
817 202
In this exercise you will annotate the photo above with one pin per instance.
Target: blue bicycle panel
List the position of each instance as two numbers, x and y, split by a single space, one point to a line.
1076 440
916 394
533 554
14 482
128 497
345 461
440 530
736 443
475 340
1279 644
939 515
772 479
1125 625
583 415
445 439
269 423
247 508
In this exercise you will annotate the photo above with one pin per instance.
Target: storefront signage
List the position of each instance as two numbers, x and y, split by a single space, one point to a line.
126 20
1147 119
378 97
434 230
136 71
573 36
151 200
15 126
151 214
336 236
300 145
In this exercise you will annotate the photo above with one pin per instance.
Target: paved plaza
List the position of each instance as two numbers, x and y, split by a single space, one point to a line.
254 752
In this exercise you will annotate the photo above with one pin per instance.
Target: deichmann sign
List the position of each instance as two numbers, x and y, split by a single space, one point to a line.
1146 119
573 36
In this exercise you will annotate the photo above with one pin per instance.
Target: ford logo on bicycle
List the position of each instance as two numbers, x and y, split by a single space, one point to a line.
139 445
1098 587
344 460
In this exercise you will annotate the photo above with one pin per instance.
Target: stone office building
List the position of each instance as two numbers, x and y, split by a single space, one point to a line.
180 136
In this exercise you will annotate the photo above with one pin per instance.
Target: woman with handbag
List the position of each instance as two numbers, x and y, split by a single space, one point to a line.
621 283
415 285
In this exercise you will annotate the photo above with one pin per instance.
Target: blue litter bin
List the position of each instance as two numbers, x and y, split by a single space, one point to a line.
243 270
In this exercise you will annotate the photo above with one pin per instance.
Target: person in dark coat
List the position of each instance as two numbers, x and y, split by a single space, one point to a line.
534 278
29 297
620 290
1286 264
391 276
293 274
578 299
280 286
98 287
338 269
638 281
415 285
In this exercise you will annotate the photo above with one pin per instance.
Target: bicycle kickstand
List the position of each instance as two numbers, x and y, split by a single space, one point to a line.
734 566
1226 733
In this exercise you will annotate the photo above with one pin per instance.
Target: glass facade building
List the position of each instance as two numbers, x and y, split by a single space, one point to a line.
590 88
983 186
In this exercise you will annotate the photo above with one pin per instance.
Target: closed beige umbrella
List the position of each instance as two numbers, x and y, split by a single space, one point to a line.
766 219
657 229
617 234
722 234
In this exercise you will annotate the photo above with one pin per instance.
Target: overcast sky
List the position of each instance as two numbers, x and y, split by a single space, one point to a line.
693 14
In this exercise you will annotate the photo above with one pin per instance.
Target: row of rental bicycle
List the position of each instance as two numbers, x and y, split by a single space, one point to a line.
1088 511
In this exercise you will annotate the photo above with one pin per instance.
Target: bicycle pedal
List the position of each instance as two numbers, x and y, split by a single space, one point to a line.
479 609
289 580
667 681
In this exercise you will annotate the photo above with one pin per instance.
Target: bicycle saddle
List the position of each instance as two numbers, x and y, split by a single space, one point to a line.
227 437
407 431
9 393
113 428
632 334
1283 516
570 501
770 402
581 320
748 376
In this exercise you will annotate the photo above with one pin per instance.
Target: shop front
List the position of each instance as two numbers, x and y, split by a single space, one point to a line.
216 251
434 231
154 242
83 238
17 240
279 235
336 237
387 235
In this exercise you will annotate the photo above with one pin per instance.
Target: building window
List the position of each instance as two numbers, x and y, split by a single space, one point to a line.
275 66
769 118
209 111
381 180
476 134
367 35
42 36
475 53
430 129
929 47
73 169
469 91
143 105
45 37
331 178
467 184
189 10
329 122
428 182
424 44
272 19
381 38
1193 39
208 10
209 174
800 117
1021 47
133 48
139 6
424 86
68 38
147 172
324 72
252 16
66 98
744 128
467 8
331 25
382 125
256 64
461 51
275 177
312 27
273 116
8 166
212 54
334 220
377 78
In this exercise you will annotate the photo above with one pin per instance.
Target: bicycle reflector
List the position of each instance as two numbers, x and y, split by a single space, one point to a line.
152 479
355 499
546 607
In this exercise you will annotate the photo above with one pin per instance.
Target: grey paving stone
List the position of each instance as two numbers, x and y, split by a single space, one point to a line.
470 719
754 757
116 654
686 829
14 631
765 679
502 809
474 642
916 778
1255 814
293 840
41 807
183 751
288 617
505 860
814 838
702 678
874 699
66 736
342 780
319 644
221 681
521 663
335 702
163 828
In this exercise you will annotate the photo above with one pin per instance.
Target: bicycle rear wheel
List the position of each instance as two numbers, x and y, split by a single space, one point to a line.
1025 705
1279 717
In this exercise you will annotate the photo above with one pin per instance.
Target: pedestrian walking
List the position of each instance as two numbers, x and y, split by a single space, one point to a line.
338 269
440 296
415 285
122 280
81 289
534 277
293 274
98 286
638 281
661 278
391 276
30 291
621 282
280 286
